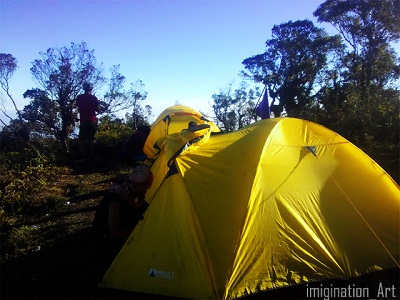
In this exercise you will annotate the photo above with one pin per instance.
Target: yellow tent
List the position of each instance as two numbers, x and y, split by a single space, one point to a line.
279 202
171 120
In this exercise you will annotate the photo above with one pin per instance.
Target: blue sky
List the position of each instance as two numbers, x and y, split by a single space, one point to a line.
183 51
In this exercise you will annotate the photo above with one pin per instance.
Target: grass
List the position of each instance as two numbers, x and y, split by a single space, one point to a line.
47 249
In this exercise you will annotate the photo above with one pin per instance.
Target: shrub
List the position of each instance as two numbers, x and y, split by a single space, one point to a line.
22 240
24 176
112 132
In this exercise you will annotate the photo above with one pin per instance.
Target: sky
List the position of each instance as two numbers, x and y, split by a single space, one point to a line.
184 51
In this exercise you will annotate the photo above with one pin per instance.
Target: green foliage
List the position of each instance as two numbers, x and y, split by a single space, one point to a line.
112 133
24 176
372 126
368 27
22 240
60 75
349 83
360 100
235 109
42 113
290 66
14 136
117 98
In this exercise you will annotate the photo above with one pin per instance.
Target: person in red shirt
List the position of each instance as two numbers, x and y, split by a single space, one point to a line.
88 106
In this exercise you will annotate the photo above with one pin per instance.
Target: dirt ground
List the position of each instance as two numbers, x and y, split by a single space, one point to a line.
67 262
62 259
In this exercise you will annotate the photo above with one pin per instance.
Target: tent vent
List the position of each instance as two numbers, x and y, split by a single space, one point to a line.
312 149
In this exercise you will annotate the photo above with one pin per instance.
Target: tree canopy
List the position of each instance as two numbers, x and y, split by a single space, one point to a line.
348 82
368 27
8 65
295 56
60 75
235 109
119 98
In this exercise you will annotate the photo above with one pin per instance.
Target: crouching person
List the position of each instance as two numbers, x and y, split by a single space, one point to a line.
122 207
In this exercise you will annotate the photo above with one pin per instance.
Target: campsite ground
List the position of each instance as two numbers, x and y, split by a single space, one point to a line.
51 254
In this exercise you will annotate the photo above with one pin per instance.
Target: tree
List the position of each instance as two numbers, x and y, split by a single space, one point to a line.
8 65
17 130
136 95
117 98
149 113
368 26
295 56
142 118
367 82
60 74
235 109
43 114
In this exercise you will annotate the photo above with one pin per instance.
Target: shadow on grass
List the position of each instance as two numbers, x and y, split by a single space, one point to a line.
70 269
73 268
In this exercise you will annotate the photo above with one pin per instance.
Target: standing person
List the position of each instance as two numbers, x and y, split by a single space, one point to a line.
88 106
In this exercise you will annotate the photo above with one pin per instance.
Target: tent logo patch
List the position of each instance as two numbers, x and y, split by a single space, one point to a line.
161 274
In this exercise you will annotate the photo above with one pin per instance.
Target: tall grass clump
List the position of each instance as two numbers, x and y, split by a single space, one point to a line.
23 177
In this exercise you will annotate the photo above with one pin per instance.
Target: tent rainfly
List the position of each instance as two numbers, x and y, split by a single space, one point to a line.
280 202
